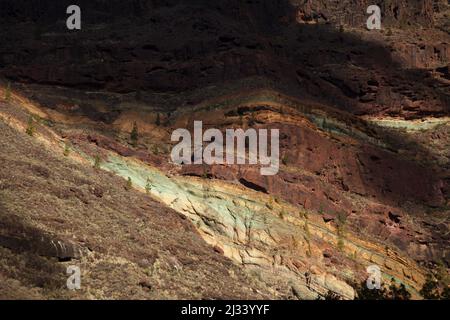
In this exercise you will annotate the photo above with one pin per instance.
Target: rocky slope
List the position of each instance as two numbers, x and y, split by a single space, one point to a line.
56 212
302 221
176 45
365 140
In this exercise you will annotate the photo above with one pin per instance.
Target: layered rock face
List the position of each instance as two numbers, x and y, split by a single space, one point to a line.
328 213
394 13
177 45
56 213
364 138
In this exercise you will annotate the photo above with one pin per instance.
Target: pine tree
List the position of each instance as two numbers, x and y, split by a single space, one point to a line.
97 162
430 288
398 292
66 150
158 120
129 184
306 229
134 135
148 186
8 92
331 296
364 293
30 126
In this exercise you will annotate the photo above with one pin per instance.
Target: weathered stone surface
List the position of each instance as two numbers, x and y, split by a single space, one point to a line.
173 46
364 138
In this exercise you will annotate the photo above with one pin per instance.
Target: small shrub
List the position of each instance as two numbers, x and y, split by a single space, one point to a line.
340 244
134 135
398 292
252 120
158 120
148 186
430 289
167 120
306 230
442 274
341 220
295 243
364 293
129 184
8 92
331 296
66 150
155 150
446 293
308 251
30 126
304 215
269 204
97 162
321 209
435 287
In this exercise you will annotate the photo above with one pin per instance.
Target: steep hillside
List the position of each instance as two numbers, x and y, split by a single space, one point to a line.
328 218
364 120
